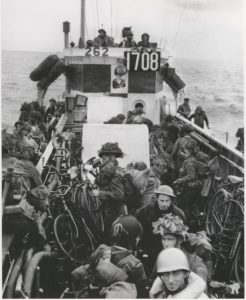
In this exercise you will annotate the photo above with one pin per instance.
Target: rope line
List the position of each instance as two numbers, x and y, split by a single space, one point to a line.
180 19
97 15
111 17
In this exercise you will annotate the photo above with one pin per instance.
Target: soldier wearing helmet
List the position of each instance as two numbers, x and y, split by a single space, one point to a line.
128 42
109 263
103 39
127 232
110 182
190 184
200 117
175 278
180 144
159 206
145 41
173 233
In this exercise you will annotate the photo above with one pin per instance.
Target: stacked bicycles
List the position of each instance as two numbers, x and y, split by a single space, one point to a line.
224 224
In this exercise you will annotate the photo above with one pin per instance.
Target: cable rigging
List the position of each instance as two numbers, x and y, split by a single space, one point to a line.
180 20
97 14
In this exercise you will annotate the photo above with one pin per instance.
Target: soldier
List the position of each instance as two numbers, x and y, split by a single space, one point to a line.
184 109
200 117
159 206
128 42
177 154
189 183
110 182
174 233
145 41
118 262
103 39
175 280
50 110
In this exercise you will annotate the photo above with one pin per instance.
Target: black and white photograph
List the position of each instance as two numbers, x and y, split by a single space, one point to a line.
122 131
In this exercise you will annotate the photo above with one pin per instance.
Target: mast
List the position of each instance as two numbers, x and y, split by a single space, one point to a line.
82 23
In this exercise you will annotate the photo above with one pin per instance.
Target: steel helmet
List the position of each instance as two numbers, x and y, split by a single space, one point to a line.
172 259
165 190
128 224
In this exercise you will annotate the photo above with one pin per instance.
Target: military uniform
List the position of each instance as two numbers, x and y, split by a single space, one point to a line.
106 41
151 243
111 193
188 200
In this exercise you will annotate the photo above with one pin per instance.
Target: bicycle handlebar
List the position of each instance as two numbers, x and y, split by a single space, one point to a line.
59 193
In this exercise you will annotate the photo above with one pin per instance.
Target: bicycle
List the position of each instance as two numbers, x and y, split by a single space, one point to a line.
72 234
225 209
223 223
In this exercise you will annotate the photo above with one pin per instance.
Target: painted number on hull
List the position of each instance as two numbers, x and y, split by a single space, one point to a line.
96 51
143 61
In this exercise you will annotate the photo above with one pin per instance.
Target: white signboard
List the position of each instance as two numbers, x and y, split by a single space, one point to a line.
102 109
132 139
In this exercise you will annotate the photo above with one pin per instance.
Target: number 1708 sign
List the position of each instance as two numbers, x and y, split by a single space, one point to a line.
142 61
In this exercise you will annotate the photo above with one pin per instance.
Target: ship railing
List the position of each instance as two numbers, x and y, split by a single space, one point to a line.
222 137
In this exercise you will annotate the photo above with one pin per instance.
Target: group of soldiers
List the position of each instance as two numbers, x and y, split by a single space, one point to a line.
145 249
146 234
199 114
128 42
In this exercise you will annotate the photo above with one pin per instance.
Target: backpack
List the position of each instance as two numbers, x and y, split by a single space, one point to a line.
133 267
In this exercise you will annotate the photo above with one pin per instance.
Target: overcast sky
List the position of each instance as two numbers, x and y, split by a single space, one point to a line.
209 29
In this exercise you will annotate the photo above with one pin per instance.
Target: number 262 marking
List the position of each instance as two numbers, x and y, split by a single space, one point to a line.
97 51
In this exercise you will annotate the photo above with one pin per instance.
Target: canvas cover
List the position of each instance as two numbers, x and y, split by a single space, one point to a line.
132 139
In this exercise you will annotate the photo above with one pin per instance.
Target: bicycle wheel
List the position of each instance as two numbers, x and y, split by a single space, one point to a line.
74 241
238 267
212 219
85 201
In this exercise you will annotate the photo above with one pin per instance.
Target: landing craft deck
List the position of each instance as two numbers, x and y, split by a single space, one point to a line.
80 201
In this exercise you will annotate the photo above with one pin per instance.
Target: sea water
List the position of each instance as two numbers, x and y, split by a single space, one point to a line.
217 86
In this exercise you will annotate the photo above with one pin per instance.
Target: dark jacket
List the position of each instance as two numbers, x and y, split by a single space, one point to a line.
127 44
199 119
107 41
188 174
150 213
111 188
184 110
142 44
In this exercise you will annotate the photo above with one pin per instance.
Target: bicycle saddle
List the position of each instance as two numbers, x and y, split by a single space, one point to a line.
235 179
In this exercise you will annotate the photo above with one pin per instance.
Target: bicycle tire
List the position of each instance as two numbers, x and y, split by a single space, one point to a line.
63 222
83 203
238 267
226 218
219 197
